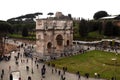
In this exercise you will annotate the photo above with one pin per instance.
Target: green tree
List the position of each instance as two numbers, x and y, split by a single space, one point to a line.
108 30
5 27
69 15
116 30
50 13
17 28
100 14
38 13
25 32
83 28
100 27
76 35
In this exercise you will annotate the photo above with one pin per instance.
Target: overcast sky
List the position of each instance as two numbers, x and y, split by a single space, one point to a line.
78 8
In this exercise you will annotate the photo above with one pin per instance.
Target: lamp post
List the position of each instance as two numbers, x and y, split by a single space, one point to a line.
32 48
114 59
71 49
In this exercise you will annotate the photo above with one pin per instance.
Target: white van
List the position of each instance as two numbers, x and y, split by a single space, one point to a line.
16 75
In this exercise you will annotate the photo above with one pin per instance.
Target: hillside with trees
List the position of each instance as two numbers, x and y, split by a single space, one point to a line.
23 26
98 28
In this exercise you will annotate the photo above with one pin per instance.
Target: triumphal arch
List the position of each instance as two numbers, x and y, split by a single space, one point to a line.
54 36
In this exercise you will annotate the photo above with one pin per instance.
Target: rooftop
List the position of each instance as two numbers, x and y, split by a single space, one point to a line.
109 17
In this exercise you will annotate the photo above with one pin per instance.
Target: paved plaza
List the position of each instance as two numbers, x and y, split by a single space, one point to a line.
36 75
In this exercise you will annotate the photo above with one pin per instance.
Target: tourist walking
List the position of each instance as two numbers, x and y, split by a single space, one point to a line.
37 66
43 70
27 60
78 74
59 72
2 71
11 77
29 78
79 77
52 71
27 68
9 68
61 77
1 76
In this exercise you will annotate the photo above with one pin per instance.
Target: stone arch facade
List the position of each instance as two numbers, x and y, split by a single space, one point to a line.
54 37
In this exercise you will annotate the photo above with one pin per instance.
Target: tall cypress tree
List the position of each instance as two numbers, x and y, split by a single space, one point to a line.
83 31
25 32
108 29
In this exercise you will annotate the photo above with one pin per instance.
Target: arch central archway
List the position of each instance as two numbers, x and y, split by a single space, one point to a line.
59 40
49 47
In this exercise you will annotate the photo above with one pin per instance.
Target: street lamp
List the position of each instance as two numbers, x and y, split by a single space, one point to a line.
71 49
114 59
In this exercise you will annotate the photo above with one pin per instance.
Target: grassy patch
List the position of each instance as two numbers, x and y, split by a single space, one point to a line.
95 35
91 62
